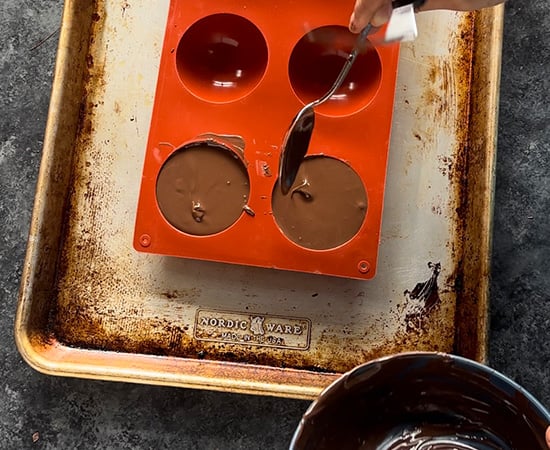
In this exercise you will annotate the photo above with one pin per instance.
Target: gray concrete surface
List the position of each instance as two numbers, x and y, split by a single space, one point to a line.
78 414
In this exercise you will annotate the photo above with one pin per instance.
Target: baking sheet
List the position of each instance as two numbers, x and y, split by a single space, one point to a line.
90 306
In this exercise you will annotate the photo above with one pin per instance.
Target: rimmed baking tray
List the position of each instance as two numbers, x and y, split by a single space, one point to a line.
92 307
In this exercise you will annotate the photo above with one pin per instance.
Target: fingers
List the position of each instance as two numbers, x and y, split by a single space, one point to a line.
548 437
382 15
377 12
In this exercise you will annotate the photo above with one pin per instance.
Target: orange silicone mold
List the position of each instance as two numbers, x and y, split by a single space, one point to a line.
233 74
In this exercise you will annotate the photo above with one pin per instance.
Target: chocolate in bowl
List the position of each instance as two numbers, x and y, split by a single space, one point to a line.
423 401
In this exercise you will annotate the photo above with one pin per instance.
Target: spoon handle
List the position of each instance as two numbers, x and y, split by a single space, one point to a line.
346 68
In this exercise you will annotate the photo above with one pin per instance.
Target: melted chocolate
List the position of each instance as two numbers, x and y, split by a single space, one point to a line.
423 402
325 206
202 189
424 299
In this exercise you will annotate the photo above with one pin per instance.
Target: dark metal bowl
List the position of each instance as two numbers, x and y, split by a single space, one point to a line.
423 401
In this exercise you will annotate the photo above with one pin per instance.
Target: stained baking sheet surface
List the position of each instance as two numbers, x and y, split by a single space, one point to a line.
92 307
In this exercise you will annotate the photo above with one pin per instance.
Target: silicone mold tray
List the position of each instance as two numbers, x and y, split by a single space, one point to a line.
232 76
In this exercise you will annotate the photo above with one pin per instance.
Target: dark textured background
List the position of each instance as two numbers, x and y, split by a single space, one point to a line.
72 414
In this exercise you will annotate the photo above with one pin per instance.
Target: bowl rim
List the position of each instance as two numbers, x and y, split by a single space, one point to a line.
461 360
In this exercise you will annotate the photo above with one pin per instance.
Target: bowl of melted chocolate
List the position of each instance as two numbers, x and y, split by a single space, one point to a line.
423 401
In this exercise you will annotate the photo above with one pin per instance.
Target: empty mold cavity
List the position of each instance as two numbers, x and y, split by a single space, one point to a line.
221 58
202 188
316 61
325 207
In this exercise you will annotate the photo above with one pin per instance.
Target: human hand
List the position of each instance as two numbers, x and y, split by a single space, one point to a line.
378 12
548 437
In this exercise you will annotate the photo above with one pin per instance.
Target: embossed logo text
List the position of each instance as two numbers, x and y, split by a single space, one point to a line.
252 329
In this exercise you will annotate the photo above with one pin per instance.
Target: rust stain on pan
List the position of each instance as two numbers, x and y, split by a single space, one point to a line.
476 189
457 170
448 85
446 102
84 182
89 76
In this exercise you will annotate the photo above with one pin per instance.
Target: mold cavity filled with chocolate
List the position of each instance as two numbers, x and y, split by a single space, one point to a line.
325 207
202 189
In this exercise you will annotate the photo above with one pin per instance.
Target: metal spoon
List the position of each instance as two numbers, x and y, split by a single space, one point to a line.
296 140
401 27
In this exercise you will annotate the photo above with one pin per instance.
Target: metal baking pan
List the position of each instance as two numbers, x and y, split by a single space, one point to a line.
90 306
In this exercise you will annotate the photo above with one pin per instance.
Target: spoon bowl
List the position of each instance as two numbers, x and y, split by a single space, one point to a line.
298 136
297 140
